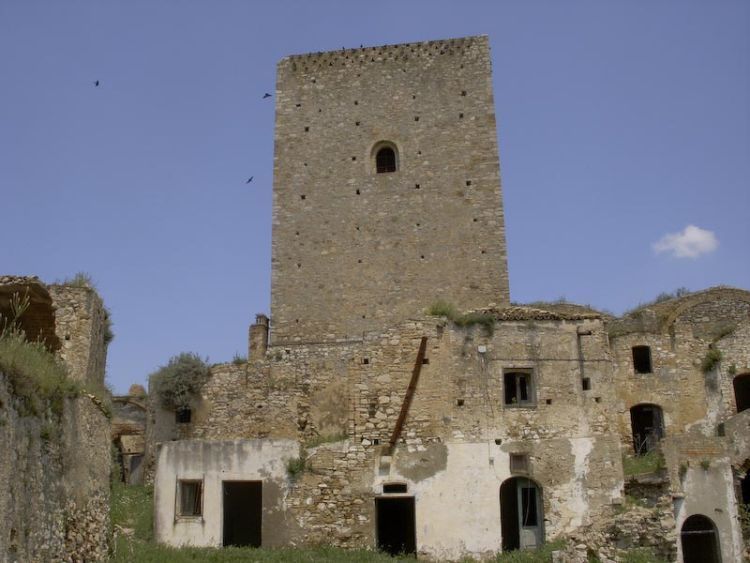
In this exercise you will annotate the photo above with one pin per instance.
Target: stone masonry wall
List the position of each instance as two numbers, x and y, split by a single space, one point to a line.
80 320
351 392
367 247
55 473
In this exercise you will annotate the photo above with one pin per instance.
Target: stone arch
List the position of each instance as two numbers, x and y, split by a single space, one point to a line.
741 385
700 540
647 426
521 513
712 294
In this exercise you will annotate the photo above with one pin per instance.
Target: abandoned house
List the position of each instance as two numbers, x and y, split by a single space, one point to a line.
396 399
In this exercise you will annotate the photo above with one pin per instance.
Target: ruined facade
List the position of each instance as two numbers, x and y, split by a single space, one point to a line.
55 462
361 420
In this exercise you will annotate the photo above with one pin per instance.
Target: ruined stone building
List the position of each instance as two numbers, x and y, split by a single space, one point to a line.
373 414
54 433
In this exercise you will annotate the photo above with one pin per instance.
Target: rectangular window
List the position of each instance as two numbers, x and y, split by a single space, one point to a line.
183 415
519 463
189 498
642 359
519 389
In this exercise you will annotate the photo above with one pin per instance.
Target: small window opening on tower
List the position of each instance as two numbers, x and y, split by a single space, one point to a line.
385 160
463 92
642 359
459 402
586 383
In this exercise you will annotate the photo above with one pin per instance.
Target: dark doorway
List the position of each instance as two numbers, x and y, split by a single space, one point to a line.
396 528
243 512
648 427
745 487
521 514
700 543
742 391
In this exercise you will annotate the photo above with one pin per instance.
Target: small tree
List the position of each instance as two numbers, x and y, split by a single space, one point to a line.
180 380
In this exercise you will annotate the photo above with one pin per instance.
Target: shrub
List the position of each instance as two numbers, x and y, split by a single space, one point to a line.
239 360
80 279
296 466
180 380
35 374
711 359
443 309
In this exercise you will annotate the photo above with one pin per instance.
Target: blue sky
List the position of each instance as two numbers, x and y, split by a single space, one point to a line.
620 123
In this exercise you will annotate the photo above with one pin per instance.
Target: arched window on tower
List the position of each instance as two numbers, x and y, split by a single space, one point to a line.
385 160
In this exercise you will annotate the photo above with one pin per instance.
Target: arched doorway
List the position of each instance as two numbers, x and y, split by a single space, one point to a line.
521 514
647 422
700 542
742 391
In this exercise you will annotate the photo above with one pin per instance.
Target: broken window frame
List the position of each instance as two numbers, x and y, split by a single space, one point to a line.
523 390
189 505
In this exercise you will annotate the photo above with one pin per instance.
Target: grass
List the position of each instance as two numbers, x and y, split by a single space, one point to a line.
543 555
650 462
36 376
710 360
445 309
640 555
326 439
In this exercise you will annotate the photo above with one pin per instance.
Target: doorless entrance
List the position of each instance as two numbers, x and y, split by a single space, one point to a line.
396 529
243 512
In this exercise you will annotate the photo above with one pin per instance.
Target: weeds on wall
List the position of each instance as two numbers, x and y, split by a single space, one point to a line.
325 439
711 359
296 466
35 374
447 310
650 462
238 360
180 380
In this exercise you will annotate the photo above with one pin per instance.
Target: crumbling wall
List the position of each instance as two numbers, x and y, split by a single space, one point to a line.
55 470
341 400
81 325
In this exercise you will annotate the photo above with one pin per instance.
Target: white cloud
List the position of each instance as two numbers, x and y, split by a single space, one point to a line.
690 243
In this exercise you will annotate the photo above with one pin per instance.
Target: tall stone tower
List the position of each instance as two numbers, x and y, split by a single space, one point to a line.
386 188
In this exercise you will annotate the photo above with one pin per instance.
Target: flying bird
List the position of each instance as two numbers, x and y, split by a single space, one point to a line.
266 95
250 179
96 83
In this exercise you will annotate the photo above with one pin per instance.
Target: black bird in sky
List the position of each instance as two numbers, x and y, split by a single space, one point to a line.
266 95
250 179
96 83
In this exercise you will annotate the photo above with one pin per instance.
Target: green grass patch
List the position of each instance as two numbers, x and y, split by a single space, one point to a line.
640 555
326 439
542 555
650 462
36 375
447 310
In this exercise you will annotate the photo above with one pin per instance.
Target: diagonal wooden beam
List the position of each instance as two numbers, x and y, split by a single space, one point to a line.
409 395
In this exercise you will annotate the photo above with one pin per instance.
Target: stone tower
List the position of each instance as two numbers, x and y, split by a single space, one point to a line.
386 188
